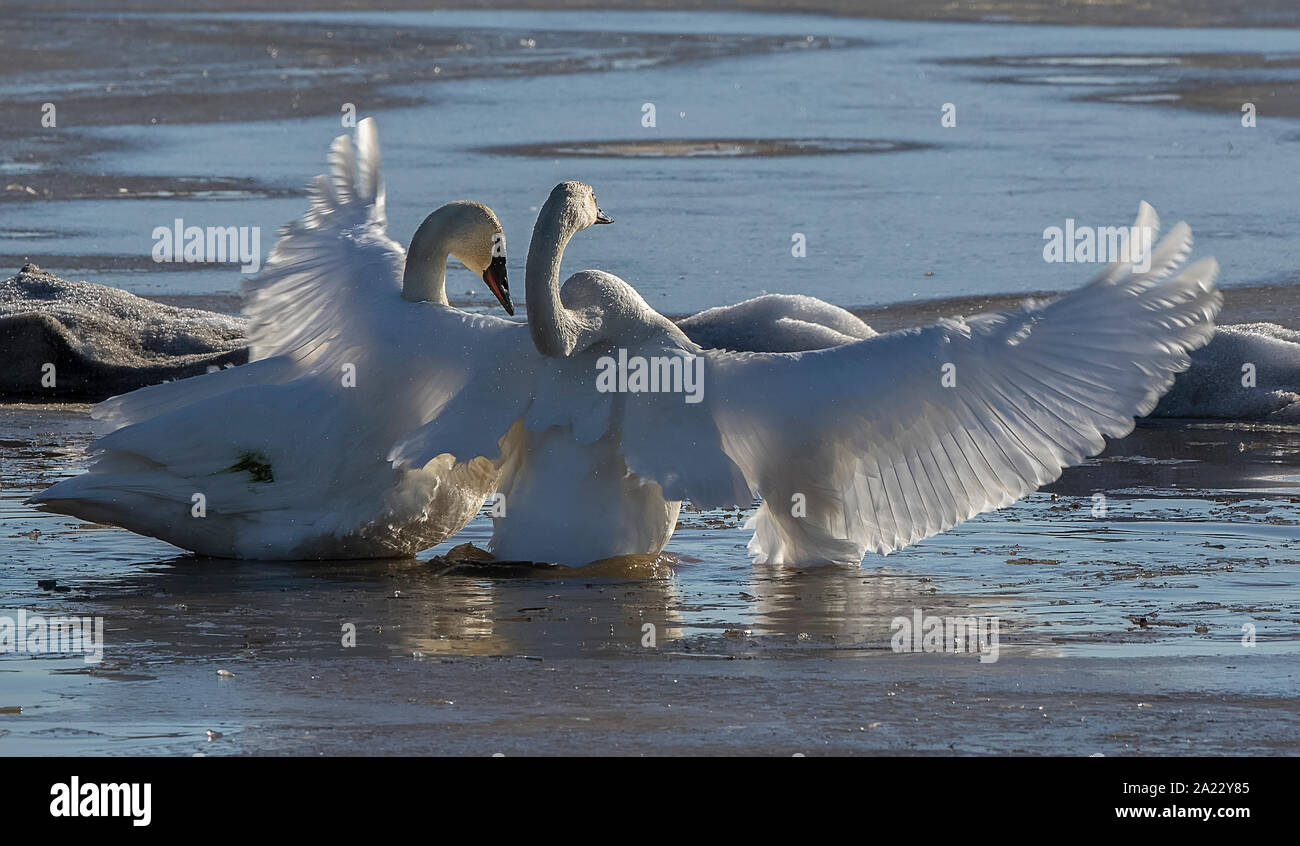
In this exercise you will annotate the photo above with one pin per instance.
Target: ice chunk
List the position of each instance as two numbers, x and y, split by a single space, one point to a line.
102 341
1248 371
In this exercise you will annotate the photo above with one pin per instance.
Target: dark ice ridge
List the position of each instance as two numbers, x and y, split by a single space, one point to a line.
102 341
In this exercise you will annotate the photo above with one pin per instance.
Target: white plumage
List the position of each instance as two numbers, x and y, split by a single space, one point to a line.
868 446
776 323
288 452
857 443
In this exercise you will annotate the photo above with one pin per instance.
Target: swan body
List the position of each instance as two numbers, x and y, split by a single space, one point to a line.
550 484
776 323
287 453
866 446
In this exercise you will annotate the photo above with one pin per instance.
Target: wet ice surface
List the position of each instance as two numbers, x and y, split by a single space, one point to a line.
698 231
1119 634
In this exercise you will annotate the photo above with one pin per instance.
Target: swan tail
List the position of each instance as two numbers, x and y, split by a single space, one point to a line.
136 494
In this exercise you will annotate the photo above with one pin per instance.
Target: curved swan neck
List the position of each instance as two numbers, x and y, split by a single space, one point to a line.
554 327
425 276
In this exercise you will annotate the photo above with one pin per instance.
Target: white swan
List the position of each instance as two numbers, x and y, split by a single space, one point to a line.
284 457
776 323
871 445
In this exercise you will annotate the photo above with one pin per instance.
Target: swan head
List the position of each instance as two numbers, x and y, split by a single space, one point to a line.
469 232
575 204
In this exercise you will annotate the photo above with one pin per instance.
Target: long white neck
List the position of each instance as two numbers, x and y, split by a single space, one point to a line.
425 276
555 328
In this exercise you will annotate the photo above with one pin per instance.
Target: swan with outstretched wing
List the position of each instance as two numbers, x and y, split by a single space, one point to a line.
866 446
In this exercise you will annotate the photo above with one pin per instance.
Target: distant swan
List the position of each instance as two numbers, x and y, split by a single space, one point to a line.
775 323
866 446
284 457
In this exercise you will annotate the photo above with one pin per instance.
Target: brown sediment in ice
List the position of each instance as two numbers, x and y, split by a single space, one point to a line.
156 70
221 69
67 184
1271 98
1171 80
75 341
706 148
1153 13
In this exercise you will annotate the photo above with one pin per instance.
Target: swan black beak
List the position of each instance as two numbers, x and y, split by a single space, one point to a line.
495 278
601 217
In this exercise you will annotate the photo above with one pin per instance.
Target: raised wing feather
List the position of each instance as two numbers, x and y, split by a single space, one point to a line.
878 444
329 267
321 300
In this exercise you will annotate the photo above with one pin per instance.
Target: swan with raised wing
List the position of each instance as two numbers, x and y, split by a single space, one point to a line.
354 345
866 446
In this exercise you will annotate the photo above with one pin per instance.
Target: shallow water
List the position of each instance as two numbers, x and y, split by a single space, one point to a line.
1118 634
1208 541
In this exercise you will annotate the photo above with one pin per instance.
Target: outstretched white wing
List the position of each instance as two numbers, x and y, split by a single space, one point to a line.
325 297
330 267
878 444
